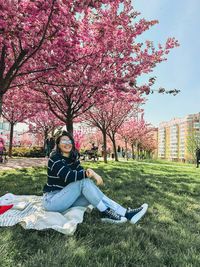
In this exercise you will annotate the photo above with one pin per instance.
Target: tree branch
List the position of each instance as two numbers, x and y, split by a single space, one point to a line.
35 71
43 37
2 62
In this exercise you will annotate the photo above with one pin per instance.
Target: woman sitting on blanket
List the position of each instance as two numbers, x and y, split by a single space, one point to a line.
69 185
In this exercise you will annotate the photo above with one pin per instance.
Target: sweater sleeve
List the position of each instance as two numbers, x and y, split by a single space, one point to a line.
78 166
64 172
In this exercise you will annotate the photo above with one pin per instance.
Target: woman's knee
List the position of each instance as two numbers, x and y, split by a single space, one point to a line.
87 181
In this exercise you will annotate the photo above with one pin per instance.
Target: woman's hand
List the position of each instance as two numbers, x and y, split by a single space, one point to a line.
98 179
90 173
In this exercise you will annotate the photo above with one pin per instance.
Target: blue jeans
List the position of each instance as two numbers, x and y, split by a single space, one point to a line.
79 193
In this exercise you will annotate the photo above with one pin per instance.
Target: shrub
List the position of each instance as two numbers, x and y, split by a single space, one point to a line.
32 152
37 151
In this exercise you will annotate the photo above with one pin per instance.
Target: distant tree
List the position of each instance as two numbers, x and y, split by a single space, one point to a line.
193 143
120 112
148 143
26 140
135 131
99 117
43 123
16 109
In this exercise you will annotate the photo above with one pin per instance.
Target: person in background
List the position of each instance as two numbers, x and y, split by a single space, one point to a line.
94 147
102 151
49 145
77 146
197 156
108 152
69 185
118 152
2 150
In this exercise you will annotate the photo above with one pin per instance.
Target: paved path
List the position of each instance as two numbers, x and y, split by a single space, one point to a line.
33 162
23 163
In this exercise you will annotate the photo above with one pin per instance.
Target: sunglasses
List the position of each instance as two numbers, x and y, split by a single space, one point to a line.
66 141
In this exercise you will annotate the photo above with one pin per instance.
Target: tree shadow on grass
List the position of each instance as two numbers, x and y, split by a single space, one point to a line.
28 181
163 237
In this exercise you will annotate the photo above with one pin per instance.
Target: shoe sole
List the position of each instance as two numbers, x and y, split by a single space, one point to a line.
114 221
139 215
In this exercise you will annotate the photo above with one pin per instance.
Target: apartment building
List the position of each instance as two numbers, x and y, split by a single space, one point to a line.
155 136
174 136
4 127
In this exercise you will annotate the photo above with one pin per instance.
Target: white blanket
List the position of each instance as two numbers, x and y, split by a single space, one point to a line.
30 213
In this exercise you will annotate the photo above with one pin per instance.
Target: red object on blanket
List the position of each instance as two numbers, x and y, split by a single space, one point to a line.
5 208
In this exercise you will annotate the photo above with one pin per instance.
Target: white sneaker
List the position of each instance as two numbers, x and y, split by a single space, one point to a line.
137 213
112 217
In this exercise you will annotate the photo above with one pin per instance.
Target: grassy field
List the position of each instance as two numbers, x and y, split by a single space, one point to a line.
165 162
168 235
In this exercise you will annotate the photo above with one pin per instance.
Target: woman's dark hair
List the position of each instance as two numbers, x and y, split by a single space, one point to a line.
74 154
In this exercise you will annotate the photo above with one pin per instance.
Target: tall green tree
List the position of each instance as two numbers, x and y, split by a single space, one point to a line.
193 142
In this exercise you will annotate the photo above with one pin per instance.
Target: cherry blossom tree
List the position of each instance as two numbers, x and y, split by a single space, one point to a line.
96 138
88 136
79 137
73 52
120 112
108 114
99 118
148 143
14 139
139 135
102 55
16 110
43 123
134 132
31 32
26 140
24 28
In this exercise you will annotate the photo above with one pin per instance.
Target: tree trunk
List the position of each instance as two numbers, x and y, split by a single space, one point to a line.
45 138
115 149
11 139
132 147
104 147
69 124
1 103
112 138
126 150
137 150
44 143
141 152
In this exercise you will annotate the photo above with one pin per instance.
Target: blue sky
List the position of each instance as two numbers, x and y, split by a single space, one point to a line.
179 19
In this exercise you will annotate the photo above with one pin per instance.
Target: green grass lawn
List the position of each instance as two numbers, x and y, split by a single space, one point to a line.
168 235
165 162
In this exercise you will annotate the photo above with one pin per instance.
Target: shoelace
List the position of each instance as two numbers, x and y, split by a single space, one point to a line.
113 214
134 210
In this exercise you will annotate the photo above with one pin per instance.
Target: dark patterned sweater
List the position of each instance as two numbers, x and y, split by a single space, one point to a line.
62 171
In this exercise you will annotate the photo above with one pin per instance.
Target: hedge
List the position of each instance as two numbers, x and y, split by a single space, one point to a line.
33 152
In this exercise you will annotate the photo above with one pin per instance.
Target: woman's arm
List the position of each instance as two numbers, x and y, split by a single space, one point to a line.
78 166
90 173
